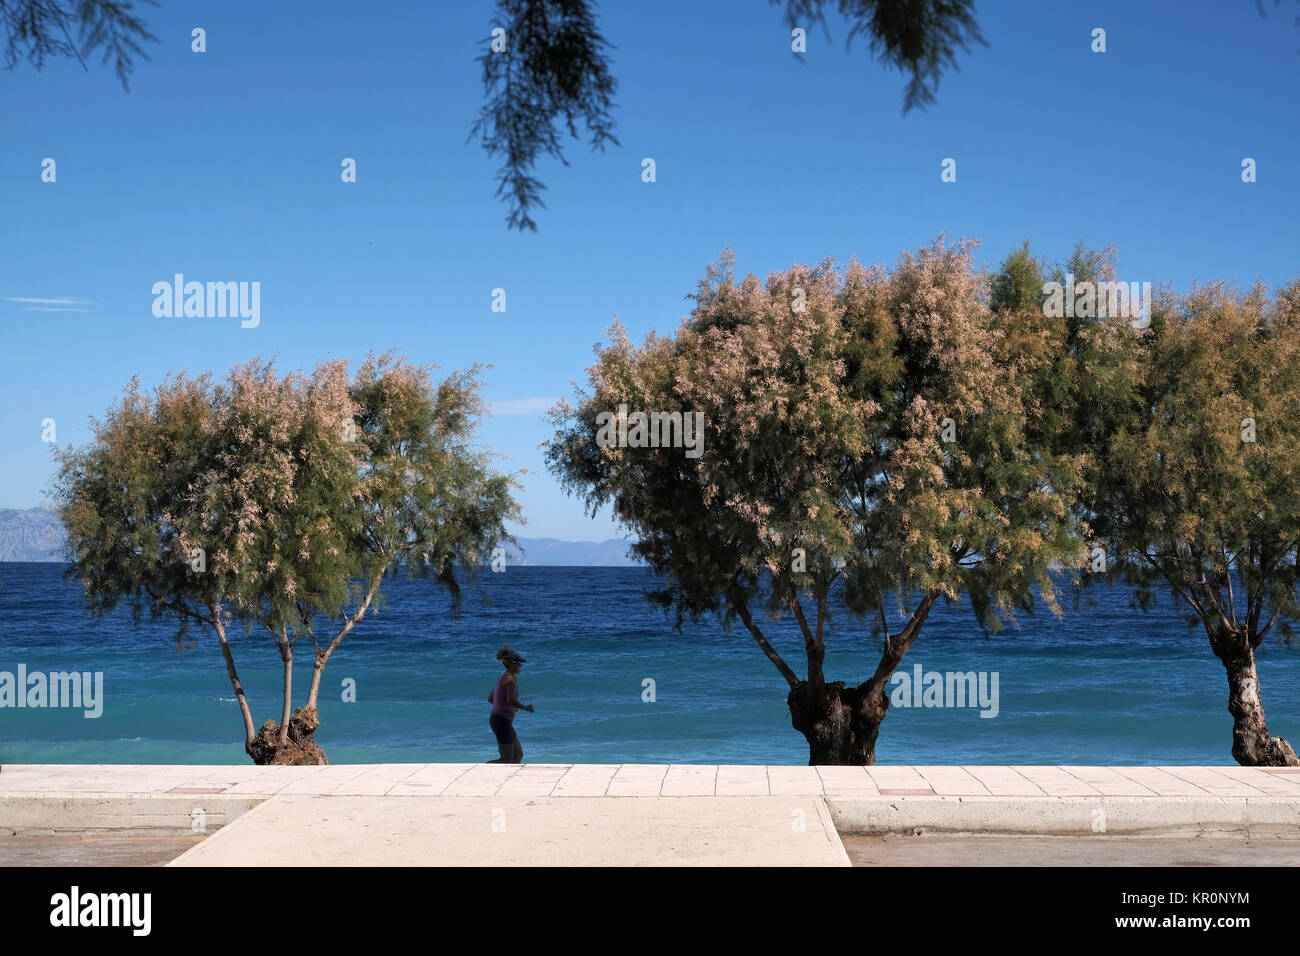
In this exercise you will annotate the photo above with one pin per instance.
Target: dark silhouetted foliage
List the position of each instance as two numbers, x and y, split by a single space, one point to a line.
36 29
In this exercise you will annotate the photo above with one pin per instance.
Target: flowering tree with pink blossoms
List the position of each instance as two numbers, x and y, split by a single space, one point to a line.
281 503
865 447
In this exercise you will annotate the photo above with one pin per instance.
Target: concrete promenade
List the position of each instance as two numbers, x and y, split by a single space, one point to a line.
629 814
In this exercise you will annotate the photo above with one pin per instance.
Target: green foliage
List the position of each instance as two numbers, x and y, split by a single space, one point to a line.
36 29
432 503
824 431
1184 497
302 491
123 501
1018 286
919 37
553 66
1083 372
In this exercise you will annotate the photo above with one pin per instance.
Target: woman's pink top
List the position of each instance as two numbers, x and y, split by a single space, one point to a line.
499 703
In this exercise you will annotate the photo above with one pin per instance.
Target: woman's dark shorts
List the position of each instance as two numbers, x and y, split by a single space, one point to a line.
503 727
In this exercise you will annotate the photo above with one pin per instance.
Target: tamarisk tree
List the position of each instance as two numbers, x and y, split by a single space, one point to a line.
430 503
1200 488
279 503
864 447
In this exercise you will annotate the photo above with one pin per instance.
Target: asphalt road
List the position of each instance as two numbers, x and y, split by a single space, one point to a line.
142 850
93 849
1069 851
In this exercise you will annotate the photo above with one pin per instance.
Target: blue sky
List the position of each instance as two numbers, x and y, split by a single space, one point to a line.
225 166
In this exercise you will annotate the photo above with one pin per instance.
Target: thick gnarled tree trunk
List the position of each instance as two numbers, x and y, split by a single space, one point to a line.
842 726
841 723
1252 746
300 747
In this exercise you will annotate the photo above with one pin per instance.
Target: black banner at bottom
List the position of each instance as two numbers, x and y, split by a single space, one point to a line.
336 906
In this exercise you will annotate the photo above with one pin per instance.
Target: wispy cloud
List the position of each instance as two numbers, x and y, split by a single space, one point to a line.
523 406
65 303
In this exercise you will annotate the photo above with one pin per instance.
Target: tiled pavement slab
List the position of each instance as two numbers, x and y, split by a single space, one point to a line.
586 780
793 781
952 781
1057 782
897 778
1109 782
741 781
1212 782
847 781
637 780
1005 782
1267 780
1160 783
652 780
533 780
689 780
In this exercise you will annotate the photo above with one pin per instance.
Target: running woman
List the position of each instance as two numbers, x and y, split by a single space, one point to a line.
504 699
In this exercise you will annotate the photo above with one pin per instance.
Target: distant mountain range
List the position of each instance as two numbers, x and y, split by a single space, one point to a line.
34 534
31 535
554 552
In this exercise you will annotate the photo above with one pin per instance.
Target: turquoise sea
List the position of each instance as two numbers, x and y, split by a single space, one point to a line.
1106 684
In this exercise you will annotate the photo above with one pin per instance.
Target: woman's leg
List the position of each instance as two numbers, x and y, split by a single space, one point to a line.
506 738
518 755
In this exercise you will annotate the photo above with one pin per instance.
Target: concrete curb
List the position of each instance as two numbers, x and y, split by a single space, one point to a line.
1067 816
25 814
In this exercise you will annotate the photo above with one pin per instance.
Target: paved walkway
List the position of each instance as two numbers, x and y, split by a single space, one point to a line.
627 814
650 780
